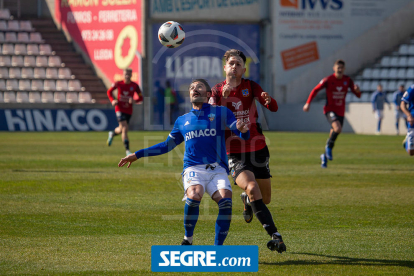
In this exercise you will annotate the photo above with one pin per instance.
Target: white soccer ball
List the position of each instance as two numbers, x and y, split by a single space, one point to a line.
171 34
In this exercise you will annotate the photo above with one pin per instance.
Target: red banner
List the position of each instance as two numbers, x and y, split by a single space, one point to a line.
109 31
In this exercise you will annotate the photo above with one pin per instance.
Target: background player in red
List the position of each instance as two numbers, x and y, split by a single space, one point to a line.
127 92
336 86
248 159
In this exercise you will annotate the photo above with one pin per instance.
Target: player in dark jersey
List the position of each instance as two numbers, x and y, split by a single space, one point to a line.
127 91
248 160
336 86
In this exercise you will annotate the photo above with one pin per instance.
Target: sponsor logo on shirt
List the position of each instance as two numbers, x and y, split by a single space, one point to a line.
339 88
236 105
211 116
200 133
187 123
245 92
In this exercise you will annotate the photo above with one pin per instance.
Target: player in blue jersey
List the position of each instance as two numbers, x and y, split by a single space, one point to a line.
378 99
205 159
407 106
396 98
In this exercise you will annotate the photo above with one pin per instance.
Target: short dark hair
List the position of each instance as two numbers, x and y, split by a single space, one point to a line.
340 62
236 53
203 81
402 85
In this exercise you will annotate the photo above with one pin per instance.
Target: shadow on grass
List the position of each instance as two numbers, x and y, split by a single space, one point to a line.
340 260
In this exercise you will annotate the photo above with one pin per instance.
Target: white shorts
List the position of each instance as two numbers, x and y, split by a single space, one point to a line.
379 114
410 139
212 180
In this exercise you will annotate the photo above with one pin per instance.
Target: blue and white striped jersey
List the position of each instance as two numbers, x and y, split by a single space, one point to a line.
408 98
203 132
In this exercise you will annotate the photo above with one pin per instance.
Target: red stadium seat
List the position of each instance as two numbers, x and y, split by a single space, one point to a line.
17 61
34 97
72 97
4 73
26 26
45 49
37 85
39 73
10 37
8 49
13 25
32 49
5 61
27 73
59 97
51 73
29 61
4 14
41 61
9 97
47 97
14 73
64 73
20 49
22 97
61 85
23 37
12 85
24 85
49 85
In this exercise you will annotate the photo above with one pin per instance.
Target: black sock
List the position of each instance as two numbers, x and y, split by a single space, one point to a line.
262 213
331 141
126 144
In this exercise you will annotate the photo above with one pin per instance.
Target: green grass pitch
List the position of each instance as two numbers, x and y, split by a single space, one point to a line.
67 209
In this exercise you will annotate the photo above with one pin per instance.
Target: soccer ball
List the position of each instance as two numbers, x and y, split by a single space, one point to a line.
171 34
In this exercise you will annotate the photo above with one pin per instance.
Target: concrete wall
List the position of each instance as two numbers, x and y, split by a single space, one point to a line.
360 52
359 119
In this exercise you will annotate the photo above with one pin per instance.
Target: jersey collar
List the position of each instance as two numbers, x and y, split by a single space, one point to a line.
205 105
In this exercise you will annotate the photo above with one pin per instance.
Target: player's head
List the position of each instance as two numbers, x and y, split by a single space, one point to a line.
127 74
402 88
379 87
235 63
339 67
199 90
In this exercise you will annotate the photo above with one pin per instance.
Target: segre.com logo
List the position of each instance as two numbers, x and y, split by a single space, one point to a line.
205 258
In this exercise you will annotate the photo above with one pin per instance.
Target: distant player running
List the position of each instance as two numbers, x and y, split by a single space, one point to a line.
248 160
407 106
396 98
126 91
205 159
336 86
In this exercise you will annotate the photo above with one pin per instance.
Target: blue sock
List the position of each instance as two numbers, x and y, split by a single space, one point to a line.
379 125
223 220
191 212
397 125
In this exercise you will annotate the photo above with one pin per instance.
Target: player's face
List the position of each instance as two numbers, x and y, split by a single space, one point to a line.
402 89
379 88
234 67
198 92
339 69
127 75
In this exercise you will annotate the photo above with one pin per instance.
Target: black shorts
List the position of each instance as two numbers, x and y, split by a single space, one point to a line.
332 117
123 117
257 162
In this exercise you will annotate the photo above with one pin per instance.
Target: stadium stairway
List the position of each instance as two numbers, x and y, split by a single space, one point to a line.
73 60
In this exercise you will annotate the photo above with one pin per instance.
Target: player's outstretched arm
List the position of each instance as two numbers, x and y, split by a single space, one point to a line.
128 159
241 126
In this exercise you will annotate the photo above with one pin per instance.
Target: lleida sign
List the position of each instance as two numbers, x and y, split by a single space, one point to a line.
57 119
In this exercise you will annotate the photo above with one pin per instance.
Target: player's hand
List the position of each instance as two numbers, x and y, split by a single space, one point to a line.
127 159
130 100
226 90
114 102
410 119
241 126
356 88
266 97
306 107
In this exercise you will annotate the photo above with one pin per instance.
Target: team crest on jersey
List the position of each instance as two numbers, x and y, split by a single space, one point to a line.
211 116
233 173
131 88
245 92
345 83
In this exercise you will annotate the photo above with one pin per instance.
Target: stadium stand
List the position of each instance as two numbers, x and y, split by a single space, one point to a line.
391 70
37 63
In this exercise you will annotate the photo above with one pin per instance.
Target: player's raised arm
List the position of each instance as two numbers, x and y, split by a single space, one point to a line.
264 98
321 85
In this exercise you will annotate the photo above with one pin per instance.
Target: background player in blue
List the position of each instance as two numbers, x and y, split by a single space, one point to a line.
396 98
378 99
407 106
205 159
